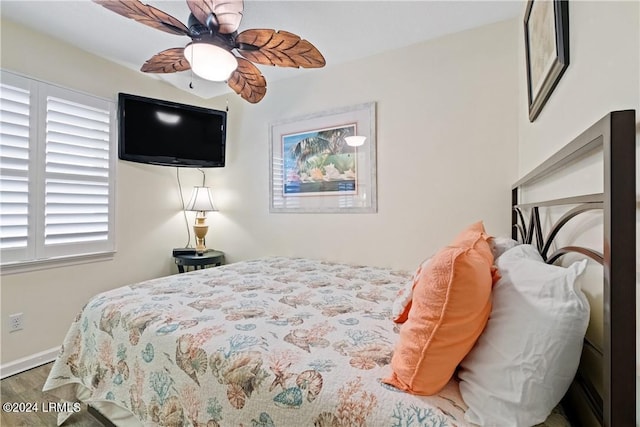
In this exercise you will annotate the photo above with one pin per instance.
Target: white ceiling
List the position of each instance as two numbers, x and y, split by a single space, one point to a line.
342 30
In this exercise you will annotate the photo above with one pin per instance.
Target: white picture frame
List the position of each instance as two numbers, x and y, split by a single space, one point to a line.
313 170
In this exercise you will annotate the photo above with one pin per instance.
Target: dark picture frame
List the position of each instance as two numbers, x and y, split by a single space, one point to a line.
546 40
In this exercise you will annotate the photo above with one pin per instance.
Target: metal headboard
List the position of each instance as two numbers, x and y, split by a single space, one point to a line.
615 136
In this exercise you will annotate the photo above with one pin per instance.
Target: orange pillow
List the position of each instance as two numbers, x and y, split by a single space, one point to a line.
450 307
468 237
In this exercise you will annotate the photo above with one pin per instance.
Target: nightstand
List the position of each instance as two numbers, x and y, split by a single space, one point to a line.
210 257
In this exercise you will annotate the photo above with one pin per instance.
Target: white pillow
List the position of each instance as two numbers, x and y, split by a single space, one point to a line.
526 358
500 245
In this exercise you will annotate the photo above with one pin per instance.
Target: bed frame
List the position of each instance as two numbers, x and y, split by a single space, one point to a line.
615 136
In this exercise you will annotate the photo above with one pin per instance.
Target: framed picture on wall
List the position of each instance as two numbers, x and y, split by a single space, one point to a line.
546 37
313 169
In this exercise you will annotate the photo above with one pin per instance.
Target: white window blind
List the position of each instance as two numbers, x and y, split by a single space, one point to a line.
57 172
14 166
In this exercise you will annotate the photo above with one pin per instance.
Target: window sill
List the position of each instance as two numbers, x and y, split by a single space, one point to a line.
45 264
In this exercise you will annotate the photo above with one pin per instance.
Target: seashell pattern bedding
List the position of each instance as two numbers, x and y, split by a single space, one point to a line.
274 342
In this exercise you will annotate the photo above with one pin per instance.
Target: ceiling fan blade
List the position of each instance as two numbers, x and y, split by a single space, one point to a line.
227 14
248 82
145 14
281 48
167 61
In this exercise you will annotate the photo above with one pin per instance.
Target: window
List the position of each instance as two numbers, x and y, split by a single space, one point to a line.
56 173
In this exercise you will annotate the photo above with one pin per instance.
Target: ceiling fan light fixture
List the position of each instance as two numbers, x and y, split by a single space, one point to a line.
213 30
209 61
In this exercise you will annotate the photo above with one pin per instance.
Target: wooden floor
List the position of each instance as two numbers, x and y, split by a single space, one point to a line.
26 388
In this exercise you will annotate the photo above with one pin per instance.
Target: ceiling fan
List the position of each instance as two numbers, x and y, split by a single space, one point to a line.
213 29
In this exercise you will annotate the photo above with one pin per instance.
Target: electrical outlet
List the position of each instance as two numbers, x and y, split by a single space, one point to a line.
15 322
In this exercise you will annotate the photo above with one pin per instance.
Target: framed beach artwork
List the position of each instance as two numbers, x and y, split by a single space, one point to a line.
546 36
314 170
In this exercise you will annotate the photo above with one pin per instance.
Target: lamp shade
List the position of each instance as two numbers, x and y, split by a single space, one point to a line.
201 200
209 61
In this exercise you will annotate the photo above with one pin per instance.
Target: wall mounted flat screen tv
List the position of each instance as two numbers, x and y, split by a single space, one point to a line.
166 133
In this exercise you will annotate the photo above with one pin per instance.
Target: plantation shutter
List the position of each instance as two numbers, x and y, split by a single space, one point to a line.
59 201
76 172
15 134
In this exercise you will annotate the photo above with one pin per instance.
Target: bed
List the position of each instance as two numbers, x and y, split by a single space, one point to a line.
298 342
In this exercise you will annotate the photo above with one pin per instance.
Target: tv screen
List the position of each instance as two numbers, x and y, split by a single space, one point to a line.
161 132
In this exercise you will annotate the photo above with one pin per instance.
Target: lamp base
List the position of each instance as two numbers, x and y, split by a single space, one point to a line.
200 230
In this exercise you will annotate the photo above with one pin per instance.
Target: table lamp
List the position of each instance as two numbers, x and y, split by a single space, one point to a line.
201 202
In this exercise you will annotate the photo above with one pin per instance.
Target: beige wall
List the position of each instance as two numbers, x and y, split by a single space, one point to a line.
446 119
447 141
603 75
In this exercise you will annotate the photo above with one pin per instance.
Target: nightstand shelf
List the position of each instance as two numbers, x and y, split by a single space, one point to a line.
209 258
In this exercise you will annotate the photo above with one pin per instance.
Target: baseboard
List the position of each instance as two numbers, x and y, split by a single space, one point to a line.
29 362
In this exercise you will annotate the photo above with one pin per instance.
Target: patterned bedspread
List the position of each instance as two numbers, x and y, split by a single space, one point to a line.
277 342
